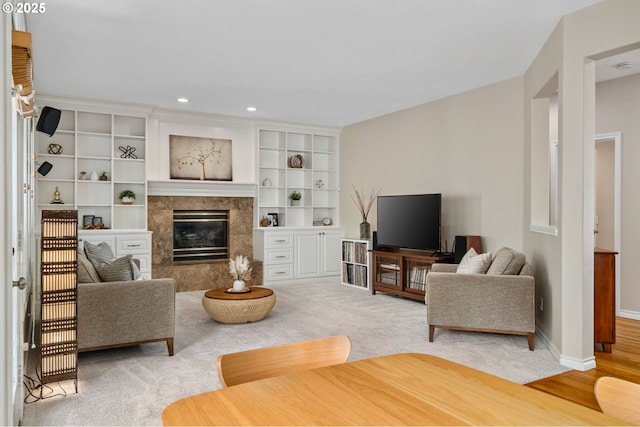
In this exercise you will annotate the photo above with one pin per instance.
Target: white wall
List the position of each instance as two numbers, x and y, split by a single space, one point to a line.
618 110
469 147
564 264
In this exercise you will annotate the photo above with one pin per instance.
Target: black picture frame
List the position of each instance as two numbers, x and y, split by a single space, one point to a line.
96 220
273 219
87 220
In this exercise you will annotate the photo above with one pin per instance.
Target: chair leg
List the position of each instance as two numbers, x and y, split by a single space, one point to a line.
530 339
432 329
170 346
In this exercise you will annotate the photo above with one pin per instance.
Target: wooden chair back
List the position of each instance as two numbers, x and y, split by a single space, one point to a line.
251 365
619 398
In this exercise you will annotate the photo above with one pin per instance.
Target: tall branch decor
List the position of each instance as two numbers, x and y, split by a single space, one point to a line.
364 203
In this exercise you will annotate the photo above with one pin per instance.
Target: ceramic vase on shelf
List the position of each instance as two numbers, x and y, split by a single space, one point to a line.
365 229
93 176
238 285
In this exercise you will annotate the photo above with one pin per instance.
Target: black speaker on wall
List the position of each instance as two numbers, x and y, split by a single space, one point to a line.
48 121
463 243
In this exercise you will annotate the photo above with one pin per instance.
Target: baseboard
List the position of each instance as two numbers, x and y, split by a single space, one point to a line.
569 362
633 315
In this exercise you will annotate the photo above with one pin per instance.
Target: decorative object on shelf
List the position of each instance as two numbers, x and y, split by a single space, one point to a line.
104 177
266 182
364 208
265 222
56 197
93 176
87 221
240 271
296 161
54 149
127 197
319 183
295 198
96 222
82 176
127 152
273 219
200 158
45 168
49 120
59 297
326 221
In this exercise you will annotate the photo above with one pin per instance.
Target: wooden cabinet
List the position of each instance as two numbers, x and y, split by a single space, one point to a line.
97 151
403 272
604 298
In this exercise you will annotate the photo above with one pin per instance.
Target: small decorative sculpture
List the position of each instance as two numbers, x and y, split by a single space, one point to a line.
56 197
127 152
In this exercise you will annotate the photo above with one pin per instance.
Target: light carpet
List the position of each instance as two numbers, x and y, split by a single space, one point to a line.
131 386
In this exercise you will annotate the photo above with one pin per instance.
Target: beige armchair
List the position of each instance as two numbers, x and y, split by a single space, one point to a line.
498 303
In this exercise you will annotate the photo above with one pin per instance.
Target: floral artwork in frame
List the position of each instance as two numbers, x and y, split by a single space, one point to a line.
197 158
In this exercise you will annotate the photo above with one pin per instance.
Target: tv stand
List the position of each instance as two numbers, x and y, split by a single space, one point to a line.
403 272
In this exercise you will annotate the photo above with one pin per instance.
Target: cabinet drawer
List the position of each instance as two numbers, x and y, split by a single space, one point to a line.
274 256
279 272
133 246
280 240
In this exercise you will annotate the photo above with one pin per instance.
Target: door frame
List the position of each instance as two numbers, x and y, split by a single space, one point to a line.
616 137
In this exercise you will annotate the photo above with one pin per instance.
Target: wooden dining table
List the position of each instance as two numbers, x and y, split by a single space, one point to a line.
398 389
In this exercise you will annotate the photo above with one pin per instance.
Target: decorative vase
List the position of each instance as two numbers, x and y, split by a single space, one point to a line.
93 176
238 285
266 182
127 200
295 202
104 177
365 229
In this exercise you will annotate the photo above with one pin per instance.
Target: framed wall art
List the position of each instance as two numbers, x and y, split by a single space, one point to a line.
196 158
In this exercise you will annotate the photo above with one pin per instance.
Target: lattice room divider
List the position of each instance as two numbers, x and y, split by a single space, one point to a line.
59 296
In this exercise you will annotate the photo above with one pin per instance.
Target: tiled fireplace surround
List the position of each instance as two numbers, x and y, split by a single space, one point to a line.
201 275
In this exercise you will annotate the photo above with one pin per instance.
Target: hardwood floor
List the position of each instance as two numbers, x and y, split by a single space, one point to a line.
623 362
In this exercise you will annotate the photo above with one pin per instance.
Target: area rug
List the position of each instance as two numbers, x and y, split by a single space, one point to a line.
131 386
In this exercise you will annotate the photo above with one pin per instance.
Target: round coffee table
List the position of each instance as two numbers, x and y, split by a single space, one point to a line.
226 307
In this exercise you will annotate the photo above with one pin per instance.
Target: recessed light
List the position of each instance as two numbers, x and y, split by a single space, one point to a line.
252 109
183 100
623 65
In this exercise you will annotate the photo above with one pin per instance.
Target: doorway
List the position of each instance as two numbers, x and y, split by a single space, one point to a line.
608 177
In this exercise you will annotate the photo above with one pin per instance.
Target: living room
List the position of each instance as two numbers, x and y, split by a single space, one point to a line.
475 148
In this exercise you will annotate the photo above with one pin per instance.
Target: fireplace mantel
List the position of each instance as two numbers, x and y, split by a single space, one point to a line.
201 188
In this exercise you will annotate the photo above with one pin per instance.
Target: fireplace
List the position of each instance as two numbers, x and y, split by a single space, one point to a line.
200 235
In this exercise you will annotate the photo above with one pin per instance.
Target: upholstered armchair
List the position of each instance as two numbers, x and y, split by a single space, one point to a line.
500 301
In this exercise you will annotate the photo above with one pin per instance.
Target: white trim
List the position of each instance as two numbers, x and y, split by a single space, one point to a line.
550 230
627 314
567 361
201 188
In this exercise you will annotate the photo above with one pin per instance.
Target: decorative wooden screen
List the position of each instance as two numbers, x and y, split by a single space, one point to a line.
59 348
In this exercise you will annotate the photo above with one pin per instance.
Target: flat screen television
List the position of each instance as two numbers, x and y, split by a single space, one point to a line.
409 221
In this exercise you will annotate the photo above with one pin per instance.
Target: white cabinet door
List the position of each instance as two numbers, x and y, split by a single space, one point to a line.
307 254
331 253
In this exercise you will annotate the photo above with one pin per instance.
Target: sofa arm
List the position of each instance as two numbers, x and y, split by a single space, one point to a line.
118 313
441 267
480 301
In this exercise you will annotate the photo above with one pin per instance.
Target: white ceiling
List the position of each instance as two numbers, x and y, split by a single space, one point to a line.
323 62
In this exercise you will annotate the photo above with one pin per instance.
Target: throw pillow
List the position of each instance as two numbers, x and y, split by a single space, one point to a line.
98 254
116 270
474 263
507 262
86 272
